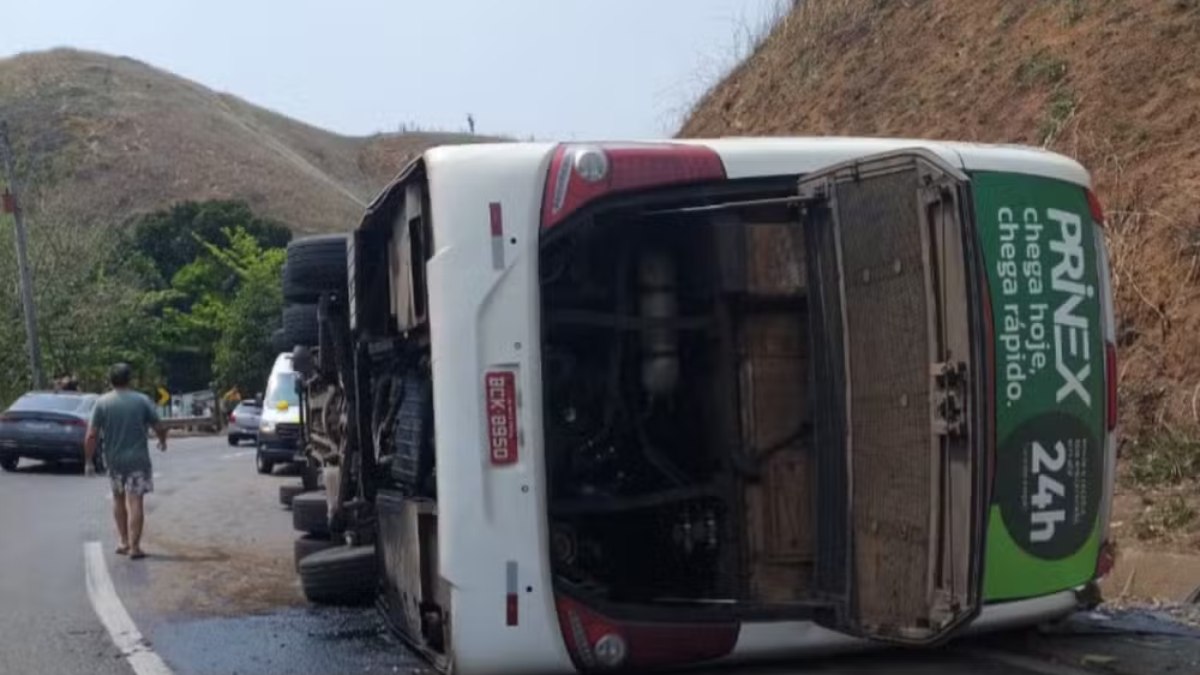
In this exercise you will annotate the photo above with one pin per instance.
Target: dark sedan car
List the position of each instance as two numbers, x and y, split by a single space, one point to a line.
49 426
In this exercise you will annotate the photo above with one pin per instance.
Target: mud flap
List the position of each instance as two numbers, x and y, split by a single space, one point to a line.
900 476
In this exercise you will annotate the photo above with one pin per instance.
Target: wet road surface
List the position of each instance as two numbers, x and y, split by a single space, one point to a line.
218 595
295 642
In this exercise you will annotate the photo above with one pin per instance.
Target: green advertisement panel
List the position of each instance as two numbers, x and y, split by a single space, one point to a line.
1040 252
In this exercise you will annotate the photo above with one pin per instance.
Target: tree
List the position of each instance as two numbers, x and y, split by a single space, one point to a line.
181 253
91 311
219 311
171 239
183 307
243 354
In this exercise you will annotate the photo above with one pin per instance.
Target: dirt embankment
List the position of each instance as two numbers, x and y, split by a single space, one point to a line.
1114 83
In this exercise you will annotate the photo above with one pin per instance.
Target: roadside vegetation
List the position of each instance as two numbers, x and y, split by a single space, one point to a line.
188 295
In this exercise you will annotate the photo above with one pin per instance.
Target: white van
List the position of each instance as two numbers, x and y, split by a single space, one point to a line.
629 406
279 426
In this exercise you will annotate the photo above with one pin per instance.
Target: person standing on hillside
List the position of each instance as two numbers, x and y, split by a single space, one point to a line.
121 419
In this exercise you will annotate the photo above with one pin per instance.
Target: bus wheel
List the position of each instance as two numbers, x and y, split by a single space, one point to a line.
288 492
310 513
345 575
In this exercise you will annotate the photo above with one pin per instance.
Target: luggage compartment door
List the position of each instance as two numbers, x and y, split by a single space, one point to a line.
896 342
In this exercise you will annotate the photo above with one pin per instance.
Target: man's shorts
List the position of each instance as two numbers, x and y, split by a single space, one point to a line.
134 482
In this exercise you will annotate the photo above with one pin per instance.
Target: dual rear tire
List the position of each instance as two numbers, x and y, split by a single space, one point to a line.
310 513
330 573
315 265
288 492
341 575
308 544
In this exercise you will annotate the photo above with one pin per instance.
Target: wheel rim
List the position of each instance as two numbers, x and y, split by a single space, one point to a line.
262 465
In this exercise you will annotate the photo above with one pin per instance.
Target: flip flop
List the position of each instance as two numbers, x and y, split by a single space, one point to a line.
137 555
122 550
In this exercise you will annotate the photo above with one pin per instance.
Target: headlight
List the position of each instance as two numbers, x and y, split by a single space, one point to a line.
266 427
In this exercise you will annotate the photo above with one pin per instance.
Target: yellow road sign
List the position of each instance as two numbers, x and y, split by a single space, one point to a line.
163 396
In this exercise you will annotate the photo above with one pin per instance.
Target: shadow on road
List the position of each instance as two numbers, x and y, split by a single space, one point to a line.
286 470
31 467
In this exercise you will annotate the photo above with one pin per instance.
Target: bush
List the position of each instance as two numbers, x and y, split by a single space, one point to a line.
172 238
1164 517
1168 458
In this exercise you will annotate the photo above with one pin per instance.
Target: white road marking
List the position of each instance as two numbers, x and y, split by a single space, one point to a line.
116 620
237 455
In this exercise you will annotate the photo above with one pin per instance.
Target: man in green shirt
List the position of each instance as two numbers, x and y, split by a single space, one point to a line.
120 421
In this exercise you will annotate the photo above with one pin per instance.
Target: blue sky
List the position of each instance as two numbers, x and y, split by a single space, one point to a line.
547 68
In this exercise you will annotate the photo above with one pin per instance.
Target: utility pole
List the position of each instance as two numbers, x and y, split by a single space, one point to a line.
11 205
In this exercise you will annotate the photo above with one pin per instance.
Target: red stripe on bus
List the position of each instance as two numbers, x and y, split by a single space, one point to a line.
497 219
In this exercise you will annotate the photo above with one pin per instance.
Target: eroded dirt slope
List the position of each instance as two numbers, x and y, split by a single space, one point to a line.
1114 83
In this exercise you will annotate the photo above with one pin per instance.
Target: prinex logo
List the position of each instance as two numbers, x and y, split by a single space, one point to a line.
1072 343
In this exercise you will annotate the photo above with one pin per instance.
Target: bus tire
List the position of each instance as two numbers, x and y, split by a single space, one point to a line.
300 324
309 544
310 513
279 341
315 265
346 575
289 491
310 476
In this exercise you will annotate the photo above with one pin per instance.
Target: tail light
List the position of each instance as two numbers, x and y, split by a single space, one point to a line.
1105 560
232 418
598 643
76 423
1095 207
583 173
1110 377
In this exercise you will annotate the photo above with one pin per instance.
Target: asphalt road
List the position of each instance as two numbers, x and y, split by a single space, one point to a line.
218 595
46 620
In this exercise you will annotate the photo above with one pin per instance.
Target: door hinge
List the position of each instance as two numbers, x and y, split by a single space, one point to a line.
950 395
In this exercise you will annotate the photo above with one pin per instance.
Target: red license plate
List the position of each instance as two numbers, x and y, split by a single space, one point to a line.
500 398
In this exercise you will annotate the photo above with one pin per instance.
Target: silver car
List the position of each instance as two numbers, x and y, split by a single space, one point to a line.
243 422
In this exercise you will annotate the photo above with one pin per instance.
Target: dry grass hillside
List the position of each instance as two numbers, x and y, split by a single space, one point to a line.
100 138
1114 83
